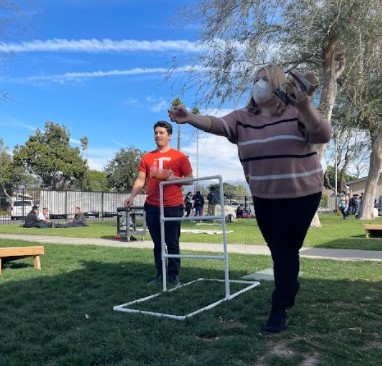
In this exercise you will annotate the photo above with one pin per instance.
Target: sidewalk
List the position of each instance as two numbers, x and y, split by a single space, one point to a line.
305 252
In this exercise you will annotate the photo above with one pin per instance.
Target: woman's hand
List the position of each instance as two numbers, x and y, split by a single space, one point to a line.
179 114
300 98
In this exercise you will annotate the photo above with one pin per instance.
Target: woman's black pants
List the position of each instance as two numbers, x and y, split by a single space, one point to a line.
284 224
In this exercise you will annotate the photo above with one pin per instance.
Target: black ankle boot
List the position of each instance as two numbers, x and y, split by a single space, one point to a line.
277 321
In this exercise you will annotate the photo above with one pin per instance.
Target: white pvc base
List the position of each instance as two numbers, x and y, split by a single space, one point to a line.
125 307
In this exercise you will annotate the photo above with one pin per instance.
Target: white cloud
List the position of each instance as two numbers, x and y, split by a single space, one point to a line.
157 104
119 143
74 141
99 157
97 163
80 76
133 102
100 46
217 156
15 123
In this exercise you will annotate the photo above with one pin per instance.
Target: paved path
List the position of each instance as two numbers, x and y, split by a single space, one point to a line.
337 254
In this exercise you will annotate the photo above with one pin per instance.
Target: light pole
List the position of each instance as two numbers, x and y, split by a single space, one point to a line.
197 159
22 192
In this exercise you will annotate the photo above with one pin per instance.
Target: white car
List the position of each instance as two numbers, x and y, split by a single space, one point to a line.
229 212
21 208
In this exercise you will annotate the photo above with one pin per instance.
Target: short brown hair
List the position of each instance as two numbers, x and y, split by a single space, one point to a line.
165 125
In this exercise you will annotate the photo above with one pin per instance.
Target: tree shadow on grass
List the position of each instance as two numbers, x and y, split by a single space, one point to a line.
63 315
353 242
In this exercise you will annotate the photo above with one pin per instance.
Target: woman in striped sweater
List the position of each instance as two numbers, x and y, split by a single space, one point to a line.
281 165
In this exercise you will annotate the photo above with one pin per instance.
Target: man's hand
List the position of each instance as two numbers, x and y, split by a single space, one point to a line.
129 202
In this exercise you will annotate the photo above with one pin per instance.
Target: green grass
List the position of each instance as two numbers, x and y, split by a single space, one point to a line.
62 315
335 232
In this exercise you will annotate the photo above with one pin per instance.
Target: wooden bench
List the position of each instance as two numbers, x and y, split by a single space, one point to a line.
373 230
13 253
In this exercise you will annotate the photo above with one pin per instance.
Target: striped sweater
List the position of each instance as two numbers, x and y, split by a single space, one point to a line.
277 153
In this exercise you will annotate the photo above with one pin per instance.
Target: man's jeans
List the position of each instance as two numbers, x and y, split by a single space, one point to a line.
172 234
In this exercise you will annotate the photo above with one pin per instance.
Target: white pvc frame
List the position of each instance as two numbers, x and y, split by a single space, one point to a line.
228 296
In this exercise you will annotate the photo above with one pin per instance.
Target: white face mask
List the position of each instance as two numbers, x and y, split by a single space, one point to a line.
261 91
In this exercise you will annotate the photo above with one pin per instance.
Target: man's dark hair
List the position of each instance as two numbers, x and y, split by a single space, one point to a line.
34 208
165 125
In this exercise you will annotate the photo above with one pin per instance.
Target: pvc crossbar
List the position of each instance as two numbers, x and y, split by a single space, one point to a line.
228 296
126 309
220 217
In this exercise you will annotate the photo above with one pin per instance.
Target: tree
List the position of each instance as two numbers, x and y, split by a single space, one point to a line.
84 142
329 181
363 96
349 150
240 35
48 155
10 176
231 191
178 102
122 170
96 181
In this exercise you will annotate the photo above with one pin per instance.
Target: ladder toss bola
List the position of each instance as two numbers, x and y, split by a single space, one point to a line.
126 307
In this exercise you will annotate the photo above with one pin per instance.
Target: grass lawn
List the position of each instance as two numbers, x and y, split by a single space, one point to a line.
62 315
335 232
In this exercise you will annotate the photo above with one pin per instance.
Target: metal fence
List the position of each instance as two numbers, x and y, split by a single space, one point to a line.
95 205
61 204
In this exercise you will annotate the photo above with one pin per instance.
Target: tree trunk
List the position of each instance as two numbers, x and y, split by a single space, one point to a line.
8 198
332 68
373 176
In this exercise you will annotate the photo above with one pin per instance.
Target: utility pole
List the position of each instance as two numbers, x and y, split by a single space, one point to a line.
197 159
178 145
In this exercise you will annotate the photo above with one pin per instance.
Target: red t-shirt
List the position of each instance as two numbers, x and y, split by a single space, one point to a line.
171 159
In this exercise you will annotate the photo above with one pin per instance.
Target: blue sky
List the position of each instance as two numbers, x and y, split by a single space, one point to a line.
98 68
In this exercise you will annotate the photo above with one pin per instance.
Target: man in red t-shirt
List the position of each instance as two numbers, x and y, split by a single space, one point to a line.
163 163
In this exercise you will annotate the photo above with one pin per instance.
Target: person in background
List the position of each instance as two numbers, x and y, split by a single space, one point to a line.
198 203
213 200
343 205
78 220
356 204
239 211
188 203
32 220
44 215
359 204
163 163
276 146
